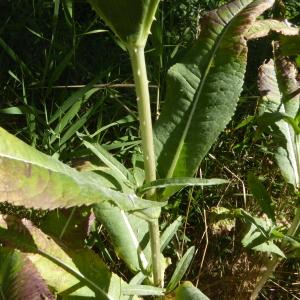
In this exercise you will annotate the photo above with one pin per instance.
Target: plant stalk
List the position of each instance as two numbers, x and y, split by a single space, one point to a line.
138 63
155 251
143 100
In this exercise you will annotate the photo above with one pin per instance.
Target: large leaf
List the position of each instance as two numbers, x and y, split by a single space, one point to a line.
33 179
277 81
19 279
203 89
128 233
70 273
129 19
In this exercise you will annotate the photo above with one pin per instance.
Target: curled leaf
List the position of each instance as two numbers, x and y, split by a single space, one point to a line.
262 28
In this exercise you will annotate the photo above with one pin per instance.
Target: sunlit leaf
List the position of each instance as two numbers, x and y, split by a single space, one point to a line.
143 290
187 291
35 180
19 279
262 28
203 88
68 272
182 182
169 232
181 268
277 81
128 233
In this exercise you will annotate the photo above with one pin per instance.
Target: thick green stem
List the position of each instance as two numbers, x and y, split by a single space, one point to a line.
143 100
155 250
137 57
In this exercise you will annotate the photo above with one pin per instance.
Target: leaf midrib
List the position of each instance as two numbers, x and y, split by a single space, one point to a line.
197 97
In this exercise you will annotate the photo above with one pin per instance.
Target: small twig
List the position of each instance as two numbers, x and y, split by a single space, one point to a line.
98 86
205 247
235 176
205 233
186 218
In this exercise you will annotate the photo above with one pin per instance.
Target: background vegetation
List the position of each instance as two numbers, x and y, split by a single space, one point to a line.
50 51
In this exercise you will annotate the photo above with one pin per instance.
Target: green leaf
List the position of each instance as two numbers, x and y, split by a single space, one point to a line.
169 232
186 291
262 28
294 246
19 279
261 195
263 226
143 290
289 45
256 234
68 116
33 179
69 272
259 237
74 97
269 247
129 19
181 268
277 81
181 182
9 51
128 233
165 238
123 174
204 88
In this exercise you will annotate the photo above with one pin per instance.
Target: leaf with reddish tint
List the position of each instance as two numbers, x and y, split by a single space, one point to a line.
19 279
277 84
35 180
262 28
203 89
79 273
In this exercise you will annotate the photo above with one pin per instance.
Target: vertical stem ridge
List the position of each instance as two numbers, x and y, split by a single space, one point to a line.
143 100
137 57
155 250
